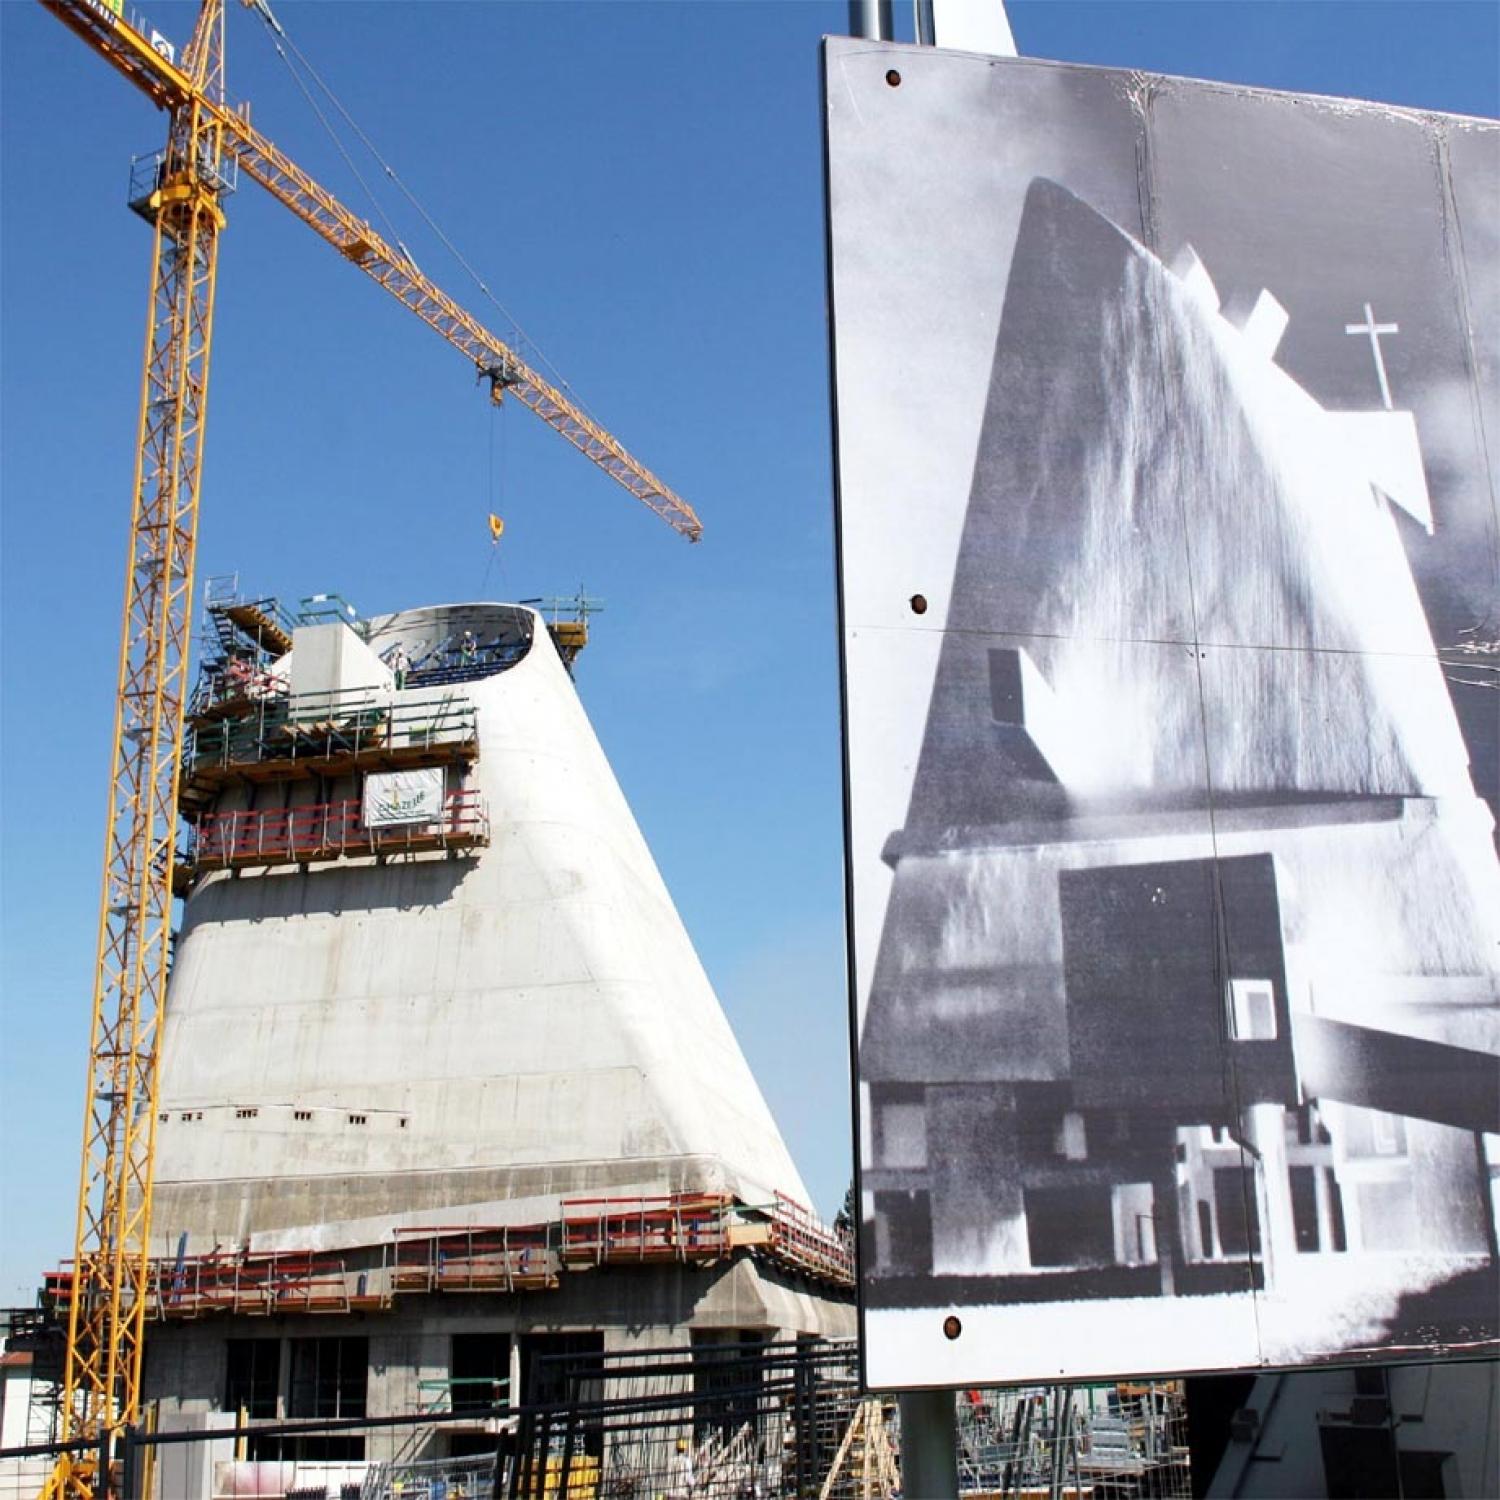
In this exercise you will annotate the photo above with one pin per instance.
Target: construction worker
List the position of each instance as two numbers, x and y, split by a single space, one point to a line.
237 677
681 1478
468 651
399 664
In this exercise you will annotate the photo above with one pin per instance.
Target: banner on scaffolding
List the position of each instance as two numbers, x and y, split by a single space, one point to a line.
1170 620
393 798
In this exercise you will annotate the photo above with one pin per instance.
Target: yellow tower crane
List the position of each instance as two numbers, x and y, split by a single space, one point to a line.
207 140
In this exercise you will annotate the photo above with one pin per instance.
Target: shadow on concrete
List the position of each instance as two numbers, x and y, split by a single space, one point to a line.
400 883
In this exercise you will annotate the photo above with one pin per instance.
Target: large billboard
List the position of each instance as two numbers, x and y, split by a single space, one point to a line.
1167 444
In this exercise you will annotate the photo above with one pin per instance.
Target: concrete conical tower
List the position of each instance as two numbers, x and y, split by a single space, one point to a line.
416 1032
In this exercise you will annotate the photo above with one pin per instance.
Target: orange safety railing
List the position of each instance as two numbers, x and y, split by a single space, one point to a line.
329 830
677 1226
505 1258
798 1238
690 1228
282 1282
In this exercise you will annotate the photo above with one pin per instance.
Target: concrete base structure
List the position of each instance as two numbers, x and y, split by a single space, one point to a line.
413 1344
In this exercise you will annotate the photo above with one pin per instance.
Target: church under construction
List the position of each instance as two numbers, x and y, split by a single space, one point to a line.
445 1089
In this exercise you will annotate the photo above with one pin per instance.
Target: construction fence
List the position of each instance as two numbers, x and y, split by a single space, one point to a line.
731 1420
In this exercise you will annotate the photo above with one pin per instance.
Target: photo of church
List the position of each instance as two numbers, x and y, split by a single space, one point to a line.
1171 754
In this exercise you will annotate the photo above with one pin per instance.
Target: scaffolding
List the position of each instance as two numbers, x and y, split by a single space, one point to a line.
689 1227
241 640
281 738
700 1229
567 621
510 1258
296 1281
1101 1442
246 728
324 831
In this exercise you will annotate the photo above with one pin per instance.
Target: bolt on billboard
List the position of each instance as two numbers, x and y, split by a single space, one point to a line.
1167 423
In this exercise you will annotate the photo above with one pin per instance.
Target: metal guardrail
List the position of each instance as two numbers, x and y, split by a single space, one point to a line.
233 687
688 1228
797 1237
466 1259
327 831
676 1227
277 734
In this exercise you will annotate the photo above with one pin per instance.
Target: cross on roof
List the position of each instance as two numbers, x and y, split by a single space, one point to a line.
1374 330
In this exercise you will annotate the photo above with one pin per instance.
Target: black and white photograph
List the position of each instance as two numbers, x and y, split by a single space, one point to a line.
1167 421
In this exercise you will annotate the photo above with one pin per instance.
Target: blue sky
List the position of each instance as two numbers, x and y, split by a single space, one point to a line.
640 185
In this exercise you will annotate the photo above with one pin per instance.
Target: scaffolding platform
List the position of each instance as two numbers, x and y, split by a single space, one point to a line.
241 641
689 1227
326 734
225 693
505 1258
799 1240
699 1229
261 621
323 832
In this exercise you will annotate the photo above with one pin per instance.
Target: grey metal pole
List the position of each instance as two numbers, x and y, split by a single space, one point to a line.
872 19
929 1446
1062 1426
925 26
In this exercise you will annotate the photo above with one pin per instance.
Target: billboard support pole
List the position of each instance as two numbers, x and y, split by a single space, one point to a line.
929 1445
872 19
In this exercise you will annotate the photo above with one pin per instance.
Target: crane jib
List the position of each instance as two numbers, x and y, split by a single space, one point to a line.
105 25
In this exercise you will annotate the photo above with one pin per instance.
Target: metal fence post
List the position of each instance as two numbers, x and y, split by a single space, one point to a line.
127 1463
103 1487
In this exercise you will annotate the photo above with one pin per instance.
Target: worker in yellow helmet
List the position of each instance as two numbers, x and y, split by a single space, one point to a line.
681 1478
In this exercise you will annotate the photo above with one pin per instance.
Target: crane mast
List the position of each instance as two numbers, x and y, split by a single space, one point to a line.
108 1305
106 1313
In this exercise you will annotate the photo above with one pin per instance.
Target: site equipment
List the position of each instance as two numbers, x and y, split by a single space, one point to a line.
208 143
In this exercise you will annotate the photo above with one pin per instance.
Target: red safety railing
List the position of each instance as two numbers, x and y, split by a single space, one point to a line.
799 1239
505 1258
329 830
676 1226
690 1228
297 1281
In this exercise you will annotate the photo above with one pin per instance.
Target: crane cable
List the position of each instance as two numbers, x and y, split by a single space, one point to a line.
278 33
275 28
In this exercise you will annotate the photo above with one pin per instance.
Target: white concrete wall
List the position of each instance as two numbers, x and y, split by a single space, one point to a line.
644 1307
332 659
529 1019
15 1406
